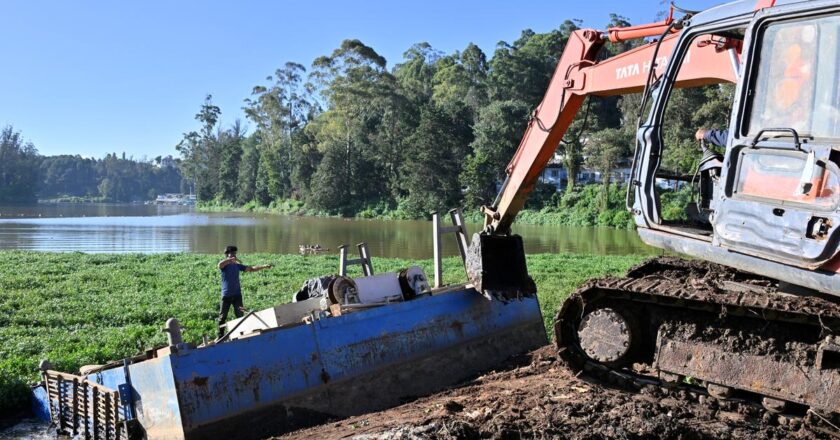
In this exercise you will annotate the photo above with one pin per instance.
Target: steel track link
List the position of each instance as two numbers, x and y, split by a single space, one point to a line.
666 287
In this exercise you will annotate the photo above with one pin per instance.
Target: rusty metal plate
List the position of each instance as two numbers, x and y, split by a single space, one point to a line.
760 374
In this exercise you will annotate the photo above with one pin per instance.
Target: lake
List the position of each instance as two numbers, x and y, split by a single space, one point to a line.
120 228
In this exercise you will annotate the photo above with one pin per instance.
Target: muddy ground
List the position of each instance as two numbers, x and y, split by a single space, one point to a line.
536 396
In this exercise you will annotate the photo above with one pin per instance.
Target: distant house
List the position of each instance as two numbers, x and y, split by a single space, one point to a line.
555 174
175 199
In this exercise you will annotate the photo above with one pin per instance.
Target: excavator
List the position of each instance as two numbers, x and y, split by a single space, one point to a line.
753 312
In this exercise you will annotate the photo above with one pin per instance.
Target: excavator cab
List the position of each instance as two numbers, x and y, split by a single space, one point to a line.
755 314
771 202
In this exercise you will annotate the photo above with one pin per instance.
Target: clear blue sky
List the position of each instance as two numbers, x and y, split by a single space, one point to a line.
92 77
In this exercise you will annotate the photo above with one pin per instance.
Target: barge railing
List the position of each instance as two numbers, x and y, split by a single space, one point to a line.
84 409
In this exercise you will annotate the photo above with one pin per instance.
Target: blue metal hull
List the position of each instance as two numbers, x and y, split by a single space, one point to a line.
335 367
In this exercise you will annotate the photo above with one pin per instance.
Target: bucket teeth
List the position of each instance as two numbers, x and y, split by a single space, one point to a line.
496 267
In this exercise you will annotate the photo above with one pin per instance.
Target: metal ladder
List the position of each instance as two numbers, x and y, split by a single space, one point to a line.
460 232
363 260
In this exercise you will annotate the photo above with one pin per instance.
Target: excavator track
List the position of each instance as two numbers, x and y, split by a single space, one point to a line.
685 323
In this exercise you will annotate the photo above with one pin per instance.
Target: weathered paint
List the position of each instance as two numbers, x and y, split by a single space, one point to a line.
350 364
156 398
221 381
807 385
40 406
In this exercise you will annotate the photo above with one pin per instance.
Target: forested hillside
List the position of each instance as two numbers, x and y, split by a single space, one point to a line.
114 179
26 176
350 135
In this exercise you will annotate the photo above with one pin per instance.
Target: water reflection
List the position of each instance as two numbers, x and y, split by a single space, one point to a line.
149 229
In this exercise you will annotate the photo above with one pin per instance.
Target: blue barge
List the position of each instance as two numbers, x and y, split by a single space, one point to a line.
279 379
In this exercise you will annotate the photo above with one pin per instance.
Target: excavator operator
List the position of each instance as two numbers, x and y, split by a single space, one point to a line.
713 136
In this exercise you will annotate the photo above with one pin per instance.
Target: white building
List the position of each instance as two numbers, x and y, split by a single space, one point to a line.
557 175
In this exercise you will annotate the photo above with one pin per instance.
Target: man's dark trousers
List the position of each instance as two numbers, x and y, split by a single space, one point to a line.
227 301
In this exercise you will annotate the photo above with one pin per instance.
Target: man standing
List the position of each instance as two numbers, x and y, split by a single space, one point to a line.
231 291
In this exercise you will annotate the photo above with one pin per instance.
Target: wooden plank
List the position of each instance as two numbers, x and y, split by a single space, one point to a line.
75 407
117 413
60 405
107 416
59 374
86 412
45 379
95 399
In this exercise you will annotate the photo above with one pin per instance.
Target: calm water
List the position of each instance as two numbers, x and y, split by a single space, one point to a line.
139 228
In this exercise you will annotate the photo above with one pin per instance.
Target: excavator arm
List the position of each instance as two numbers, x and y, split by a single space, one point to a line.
496 259
579 75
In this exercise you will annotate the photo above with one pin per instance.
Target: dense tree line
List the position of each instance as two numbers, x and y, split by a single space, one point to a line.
111 179
433 132
18 167
350 135
26 176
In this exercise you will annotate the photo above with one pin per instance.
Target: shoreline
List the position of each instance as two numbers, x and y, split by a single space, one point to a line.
525 217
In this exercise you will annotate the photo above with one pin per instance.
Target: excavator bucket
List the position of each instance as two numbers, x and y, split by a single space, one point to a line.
496 267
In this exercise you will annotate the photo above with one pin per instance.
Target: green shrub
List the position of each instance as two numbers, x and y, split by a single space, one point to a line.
585 205
623 219
674 204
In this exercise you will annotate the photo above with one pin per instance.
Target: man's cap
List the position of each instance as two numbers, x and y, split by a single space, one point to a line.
230 249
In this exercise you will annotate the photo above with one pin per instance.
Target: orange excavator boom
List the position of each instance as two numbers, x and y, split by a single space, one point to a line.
495 260
580 74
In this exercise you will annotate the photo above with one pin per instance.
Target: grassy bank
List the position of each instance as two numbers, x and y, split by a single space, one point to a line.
587 205
545 216
77 309
284 207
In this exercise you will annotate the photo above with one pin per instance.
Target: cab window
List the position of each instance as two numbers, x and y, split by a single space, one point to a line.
795 83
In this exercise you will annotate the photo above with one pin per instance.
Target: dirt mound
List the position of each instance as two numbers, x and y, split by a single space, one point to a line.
536 396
